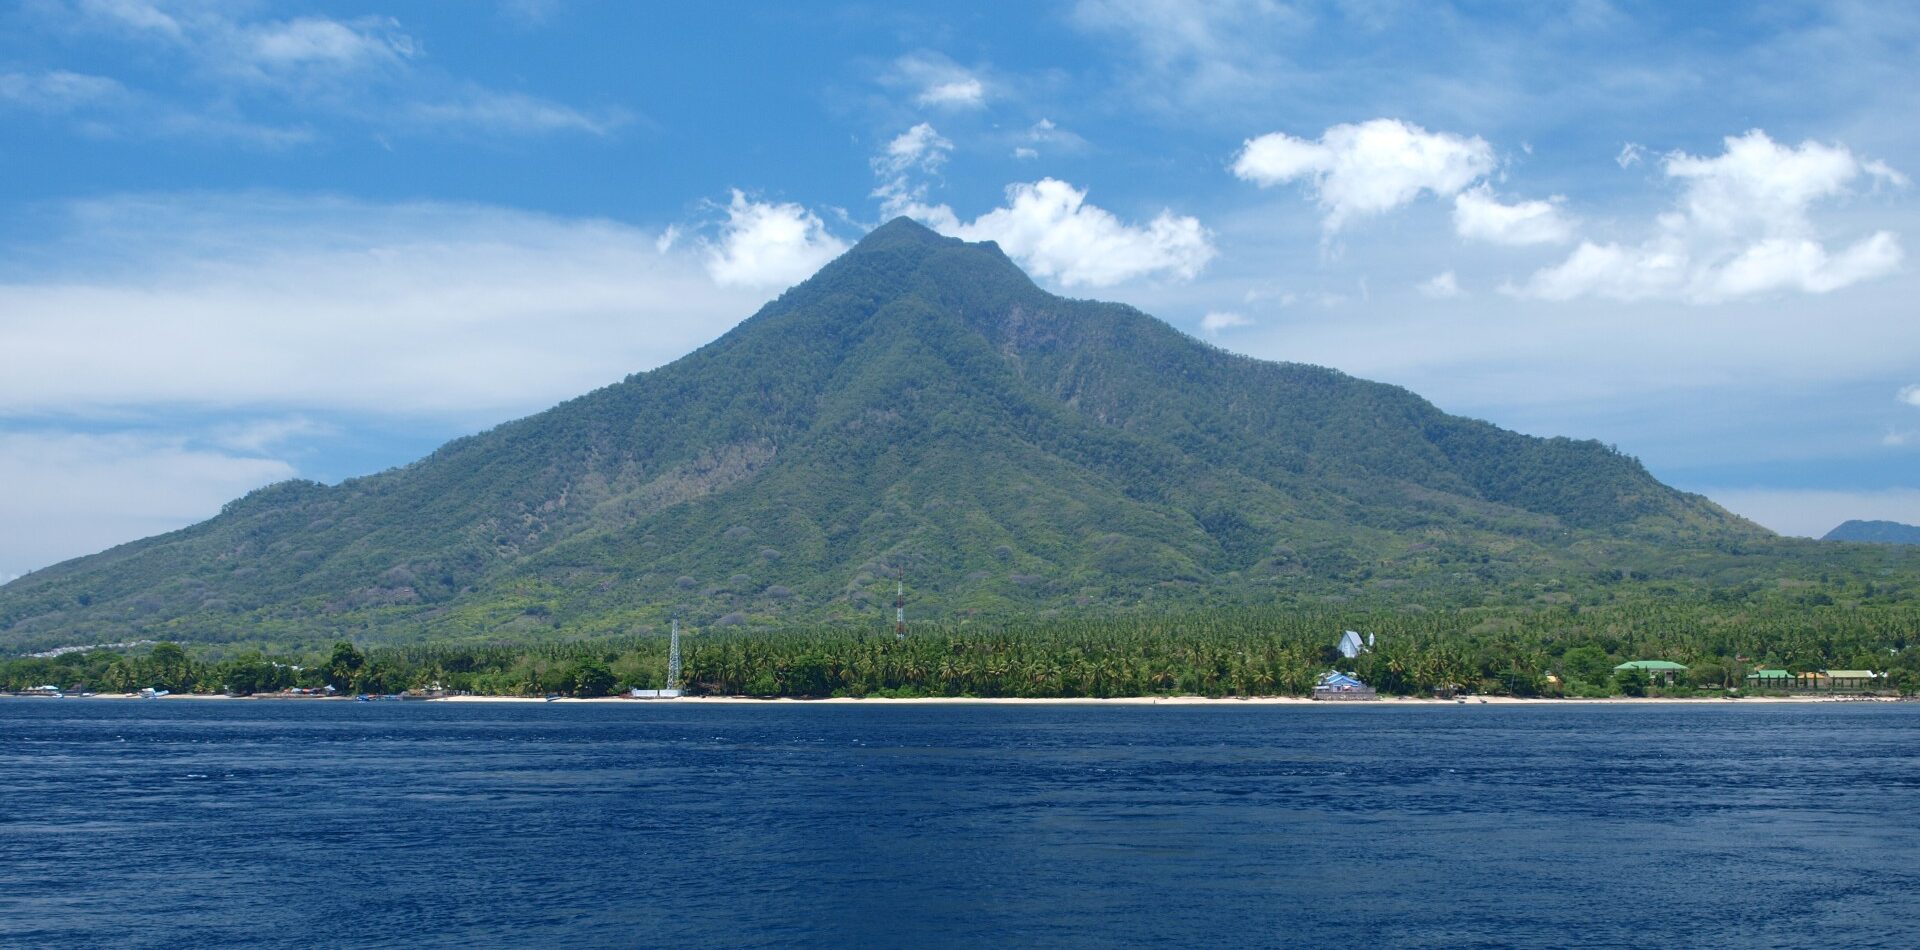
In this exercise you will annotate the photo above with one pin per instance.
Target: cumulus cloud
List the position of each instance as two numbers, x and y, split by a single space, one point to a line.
1046 225
70 494
904 167
1742 227
1049 227
769 244
1218 320
1479 216
960 93
1910 395
1357 170
1441 286
269 302
939 82
920 147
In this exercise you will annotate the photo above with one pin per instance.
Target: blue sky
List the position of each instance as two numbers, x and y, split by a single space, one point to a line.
244 240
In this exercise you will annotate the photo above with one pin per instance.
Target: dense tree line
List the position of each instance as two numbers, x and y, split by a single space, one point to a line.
1228 652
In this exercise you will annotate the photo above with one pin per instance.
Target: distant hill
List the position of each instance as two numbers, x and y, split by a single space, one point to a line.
1875 532
918 407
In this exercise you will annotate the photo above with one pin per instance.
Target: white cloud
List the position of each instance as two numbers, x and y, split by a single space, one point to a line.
511 113
1046 225
284 303
133 15
769 244
1050 229
1193 53
939 82
1814 512
1800 264
317 41
920 148
1758 186
1910 395
204 127
261 436
70 494
1218 320
1046 134
1478 215
102 107
1743 228
57 91
1631 154
366 70
901 167
1368 168
965 93
1441 286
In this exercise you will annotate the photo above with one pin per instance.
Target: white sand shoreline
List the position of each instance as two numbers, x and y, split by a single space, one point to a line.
1057 701
1169 701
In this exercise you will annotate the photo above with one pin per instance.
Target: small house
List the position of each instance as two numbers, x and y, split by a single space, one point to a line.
1846 680
1661 672
1769 679
1336 685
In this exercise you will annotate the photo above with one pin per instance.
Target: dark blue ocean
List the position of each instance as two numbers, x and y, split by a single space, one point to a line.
174 823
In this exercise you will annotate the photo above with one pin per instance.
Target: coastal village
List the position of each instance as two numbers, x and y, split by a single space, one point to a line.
1336 686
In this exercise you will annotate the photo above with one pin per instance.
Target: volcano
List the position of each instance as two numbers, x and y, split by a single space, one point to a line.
920 412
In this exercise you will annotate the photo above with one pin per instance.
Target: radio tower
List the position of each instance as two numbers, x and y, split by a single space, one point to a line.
900 605
673 658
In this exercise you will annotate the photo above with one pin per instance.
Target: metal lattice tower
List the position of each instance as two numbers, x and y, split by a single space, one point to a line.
900 608
673 657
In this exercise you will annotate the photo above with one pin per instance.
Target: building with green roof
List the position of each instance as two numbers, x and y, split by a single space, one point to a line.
1852 679
1770 679
1665 672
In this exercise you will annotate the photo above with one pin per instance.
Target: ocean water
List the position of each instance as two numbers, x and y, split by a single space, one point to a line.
137 824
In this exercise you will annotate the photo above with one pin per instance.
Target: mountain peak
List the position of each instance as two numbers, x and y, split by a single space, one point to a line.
901 246
1875 532
901 231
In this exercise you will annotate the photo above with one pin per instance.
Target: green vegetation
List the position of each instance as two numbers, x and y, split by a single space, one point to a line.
919 406
1226 652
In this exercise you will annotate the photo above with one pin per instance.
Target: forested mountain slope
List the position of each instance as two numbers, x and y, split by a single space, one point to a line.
919 406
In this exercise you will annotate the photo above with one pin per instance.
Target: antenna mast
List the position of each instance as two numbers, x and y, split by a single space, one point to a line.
673 657
900 605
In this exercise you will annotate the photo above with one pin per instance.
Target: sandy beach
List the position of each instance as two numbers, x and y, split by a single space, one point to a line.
1169 701
1047 701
